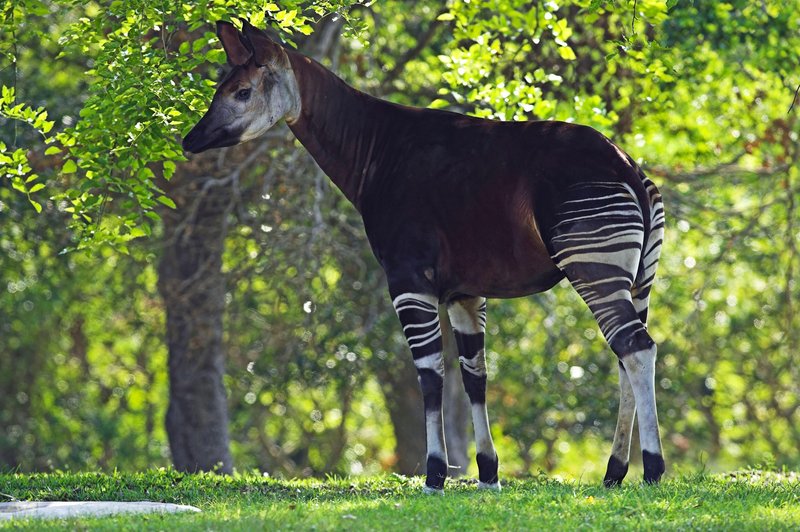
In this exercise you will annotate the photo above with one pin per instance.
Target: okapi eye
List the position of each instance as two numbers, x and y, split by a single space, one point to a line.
242 94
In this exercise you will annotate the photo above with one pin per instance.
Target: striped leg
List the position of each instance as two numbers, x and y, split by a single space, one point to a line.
651 444
597 242
468 317
419 316
621 449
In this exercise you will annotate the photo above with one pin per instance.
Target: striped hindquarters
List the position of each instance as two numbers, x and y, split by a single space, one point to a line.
597 240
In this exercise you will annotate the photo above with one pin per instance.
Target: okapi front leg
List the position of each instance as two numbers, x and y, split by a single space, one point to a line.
419 316
468 317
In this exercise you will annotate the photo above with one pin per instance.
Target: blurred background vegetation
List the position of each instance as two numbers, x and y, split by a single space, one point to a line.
105 227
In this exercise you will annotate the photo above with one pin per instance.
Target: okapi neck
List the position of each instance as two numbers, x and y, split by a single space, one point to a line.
338 125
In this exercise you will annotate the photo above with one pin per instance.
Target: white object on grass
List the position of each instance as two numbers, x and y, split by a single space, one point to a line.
60 510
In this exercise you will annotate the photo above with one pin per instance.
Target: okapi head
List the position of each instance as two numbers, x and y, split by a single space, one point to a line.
259 90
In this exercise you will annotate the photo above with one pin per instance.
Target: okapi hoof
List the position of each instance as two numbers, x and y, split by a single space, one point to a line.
487 469
653 467
437 473
427 490
489 486
615 472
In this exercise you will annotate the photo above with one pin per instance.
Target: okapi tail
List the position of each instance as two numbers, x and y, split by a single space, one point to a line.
653 214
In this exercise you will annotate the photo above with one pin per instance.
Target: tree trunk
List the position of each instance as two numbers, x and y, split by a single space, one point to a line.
404 401
192 285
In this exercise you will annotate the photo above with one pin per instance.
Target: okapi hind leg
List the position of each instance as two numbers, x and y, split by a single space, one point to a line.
640 367
597 241
419 317
621 449
468 317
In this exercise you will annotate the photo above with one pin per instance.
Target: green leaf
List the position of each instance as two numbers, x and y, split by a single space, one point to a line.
18 185
69 167
438 103
566 53
169 169
52 150
167 201
137 232
216 56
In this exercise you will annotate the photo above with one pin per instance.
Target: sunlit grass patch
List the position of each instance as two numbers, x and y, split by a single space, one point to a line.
752 499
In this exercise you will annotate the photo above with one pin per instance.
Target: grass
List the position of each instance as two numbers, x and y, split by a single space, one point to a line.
750 500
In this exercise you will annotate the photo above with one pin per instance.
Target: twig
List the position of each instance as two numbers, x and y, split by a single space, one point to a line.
412 53
15 80
793 100
633 18
319 221
729 168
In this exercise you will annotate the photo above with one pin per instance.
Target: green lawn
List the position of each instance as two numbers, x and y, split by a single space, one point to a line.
749 500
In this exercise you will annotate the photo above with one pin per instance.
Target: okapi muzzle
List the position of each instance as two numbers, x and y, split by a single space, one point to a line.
259 90
217 129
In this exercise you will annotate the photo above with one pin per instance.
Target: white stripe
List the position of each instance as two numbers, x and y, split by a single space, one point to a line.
627 408
426 342
476 365
416 298
434 361
418 325
626 259
593 240
611 334
600 184
580 285
411 306
468 319
604 228
620 195
619 295
598 207
595 216
483 434
633 238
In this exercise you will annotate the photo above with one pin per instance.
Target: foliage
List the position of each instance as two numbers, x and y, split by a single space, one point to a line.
73 356
746 500
141 92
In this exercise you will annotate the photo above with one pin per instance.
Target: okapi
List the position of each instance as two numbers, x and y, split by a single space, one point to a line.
458 209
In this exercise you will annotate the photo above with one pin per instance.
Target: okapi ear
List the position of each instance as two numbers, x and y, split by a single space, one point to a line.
236 50
266 51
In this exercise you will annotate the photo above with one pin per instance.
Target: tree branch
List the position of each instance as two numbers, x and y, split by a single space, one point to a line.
794 99
412 53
